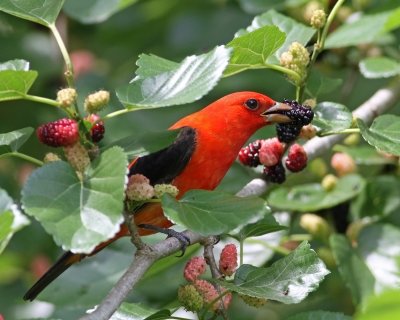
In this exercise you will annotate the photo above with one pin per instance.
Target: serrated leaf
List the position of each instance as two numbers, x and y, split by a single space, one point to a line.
40 11
15 79
364 155
94 11
378 246
384 306
11 219
212 212
319 84
79 214
194 77
137 146
384 133
150 65
12 141
288 280
367 29
253 49
353 270
319 315
379 67
331 117
295 31
312 197
133 311
261 227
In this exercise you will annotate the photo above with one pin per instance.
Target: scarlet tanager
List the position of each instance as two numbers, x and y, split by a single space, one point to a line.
200 156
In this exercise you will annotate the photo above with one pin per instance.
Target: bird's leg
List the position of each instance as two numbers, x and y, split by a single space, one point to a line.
184 240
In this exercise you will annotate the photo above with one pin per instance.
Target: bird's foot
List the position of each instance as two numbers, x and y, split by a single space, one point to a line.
184 240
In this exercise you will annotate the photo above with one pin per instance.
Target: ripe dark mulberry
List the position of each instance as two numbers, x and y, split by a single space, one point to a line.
299 114
97 131
276 173
287 132
61 133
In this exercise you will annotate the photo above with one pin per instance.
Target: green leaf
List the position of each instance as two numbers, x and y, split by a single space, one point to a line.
79 214
295 31
94 11
353 270
253 49
364 155
12 141
150 65
384 133
259 6
379 247
288 280
380 198
319 315
312 197
384 306
11 219
194 77
137 146
40 11
212 212
160 315
379 67
131 311
367 29
319 84
331 117
261 227
15 79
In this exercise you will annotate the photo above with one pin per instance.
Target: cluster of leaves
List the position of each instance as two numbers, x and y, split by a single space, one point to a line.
81 213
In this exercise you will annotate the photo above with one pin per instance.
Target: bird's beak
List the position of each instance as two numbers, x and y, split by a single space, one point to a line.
277 113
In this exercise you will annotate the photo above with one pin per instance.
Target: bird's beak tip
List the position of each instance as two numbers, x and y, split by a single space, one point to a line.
277 113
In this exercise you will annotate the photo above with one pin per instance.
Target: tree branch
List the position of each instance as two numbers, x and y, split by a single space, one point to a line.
145 257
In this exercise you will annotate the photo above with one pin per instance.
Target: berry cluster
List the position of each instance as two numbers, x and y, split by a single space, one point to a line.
300 116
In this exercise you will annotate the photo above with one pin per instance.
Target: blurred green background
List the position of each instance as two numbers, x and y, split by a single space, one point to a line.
104 56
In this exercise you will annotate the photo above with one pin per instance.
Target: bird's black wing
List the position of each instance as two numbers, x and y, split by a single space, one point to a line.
164 165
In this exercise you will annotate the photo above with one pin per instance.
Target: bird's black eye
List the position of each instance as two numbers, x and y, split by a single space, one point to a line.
251 104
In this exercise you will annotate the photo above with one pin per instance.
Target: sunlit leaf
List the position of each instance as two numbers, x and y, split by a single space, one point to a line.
379 67
331 117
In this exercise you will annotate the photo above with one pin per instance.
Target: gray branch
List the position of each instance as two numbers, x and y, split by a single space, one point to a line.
379 103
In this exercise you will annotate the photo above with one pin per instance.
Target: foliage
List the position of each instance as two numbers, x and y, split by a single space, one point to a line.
80 209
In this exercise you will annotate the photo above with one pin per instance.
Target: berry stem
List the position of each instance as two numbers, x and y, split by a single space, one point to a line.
344 131
119 112
24 157
278 249
241 252
44 100
287 71
69 73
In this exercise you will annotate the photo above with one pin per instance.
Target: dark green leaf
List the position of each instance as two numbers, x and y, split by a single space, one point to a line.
266 225
384 133
295 31
312 197
79 214
15 79
11 219
137 146
253 49
331 117
13 140
94 11
288 280
150 65
133 311
319 315
194 77
364 155
367 29
39 11
355 273
212 212
379 67
319 84
160 315
384 306
379 247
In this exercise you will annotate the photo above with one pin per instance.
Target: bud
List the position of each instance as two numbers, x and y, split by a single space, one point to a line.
194 268
318 167
352 139
315 225
160 189
343 164
296 59
190 298
139 188
51 157
66 97
77 156
228 260
329 182
318 19
253 301
308 132
271 152
96 101
310 103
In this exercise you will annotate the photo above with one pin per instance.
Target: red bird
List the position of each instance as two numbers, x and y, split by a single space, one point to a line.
206 147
